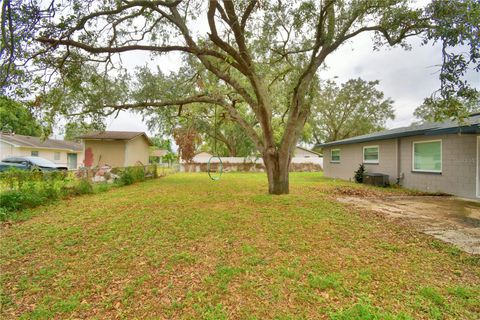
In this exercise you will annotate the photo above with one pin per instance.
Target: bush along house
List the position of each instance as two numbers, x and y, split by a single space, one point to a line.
433 157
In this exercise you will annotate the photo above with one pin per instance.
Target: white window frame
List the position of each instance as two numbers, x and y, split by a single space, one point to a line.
371 161
413 156
339 153
34 151
55 156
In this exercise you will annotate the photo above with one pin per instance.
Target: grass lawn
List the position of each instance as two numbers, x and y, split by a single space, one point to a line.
185 247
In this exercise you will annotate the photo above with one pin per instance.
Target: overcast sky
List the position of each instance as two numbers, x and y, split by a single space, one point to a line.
405 76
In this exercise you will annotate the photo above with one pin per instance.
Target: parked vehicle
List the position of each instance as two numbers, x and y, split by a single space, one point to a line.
32 163
4 166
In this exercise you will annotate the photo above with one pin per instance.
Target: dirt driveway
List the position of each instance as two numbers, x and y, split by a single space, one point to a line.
449 219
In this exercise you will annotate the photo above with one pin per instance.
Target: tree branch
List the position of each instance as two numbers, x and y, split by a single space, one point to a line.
96 50
247 13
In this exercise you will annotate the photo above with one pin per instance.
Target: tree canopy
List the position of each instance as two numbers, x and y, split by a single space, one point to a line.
17 118
72 130
263 55
356 107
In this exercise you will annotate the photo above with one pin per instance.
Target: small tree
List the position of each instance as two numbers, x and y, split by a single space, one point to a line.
187 140
359 173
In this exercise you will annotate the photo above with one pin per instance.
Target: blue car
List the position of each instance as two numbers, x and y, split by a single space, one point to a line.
30 163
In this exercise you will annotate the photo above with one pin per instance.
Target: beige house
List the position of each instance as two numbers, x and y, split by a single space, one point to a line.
116 148
434 157
305 153
61 152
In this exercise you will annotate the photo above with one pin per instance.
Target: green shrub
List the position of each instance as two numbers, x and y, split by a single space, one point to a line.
131 175
49 192
126 178
14 178
28 189
11 200
359 173
138 173
82 186
101 187
3 214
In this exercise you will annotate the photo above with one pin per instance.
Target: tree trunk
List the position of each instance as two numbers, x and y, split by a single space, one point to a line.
277 172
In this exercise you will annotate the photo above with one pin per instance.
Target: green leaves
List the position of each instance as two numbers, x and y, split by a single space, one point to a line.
356 107
456 25
18 118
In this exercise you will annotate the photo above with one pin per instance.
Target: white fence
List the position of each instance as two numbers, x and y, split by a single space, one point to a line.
252 164
238 160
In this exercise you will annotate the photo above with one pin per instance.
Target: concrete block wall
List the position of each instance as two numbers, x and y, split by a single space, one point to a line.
351 156
459 166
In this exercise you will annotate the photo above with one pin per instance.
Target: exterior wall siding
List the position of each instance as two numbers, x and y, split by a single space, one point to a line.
459 163
137 150
7 150
110 153
351 156
459 157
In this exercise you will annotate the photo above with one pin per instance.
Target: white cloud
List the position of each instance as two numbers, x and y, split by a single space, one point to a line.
405 76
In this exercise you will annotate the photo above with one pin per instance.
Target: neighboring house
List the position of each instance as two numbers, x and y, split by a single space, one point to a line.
116 148
434 157
201 157
61 152
305 153
160 153
157 155
301 155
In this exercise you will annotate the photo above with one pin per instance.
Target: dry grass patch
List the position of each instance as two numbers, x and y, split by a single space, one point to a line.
185 247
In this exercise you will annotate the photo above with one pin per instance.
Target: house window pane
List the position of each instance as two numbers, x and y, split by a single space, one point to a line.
370 154
34 153
56 156
427 156
335 155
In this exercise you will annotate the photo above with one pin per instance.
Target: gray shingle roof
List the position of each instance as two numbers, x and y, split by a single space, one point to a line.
470 125
114 135
36 142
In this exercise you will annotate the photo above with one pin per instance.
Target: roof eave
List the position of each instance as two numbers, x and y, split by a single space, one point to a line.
368 139
472 129
305 149
118 139
10 143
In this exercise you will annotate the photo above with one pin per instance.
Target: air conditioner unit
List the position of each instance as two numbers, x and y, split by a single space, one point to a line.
376 179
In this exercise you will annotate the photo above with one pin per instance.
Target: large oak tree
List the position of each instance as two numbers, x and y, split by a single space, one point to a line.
262 54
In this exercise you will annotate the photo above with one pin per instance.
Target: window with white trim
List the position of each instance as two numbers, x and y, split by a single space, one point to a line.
56 156
427 156
370 154
335 155
34 153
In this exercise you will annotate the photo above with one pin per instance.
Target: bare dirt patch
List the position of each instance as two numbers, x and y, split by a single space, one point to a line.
449 219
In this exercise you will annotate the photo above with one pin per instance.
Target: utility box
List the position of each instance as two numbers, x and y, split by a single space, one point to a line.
376 179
